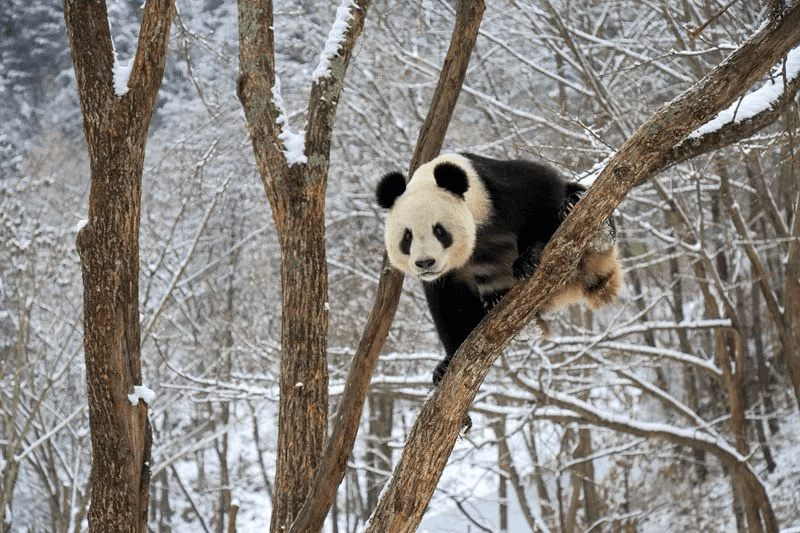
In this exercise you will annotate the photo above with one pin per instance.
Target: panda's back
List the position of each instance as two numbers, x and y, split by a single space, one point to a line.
526 200
526 197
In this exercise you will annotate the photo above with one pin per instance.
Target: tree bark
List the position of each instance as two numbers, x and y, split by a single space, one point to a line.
108 245
296 192
433 435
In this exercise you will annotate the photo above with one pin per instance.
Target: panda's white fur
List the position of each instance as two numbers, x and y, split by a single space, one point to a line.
469 227
460 215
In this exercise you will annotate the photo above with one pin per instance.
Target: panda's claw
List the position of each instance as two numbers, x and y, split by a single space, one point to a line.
526 264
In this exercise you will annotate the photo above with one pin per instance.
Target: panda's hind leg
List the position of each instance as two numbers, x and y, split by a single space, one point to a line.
601 277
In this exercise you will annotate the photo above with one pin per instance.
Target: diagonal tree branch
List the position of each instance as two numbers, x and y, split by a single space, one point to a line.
433 436
731 132
791 295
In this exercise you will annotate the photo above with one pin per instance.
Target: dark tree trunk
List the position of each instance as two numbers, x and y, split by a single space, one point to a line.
108 245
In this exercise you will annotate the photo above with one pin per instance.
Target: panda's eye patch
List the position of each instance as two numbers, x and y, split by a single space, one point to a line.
405 242
442 235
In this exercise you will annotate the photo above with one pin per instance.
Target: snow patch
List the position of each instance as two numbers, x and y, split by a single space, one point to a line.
140 392
122 73
293 143
335 38
758 101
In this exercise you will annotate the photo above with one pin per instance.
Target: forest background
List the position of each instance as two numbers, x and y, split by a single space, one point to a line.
623 420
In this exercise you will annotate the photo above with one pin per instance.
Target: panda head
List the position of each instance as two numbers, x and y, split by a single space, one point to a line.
432 221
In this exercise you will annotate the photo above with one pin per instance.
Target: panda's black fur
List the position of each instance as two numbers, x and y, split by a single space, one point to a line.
515 207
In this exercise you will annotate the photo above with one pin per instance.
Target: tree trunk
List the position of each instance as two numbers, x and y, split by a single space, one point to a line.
348 416
379 451
116 133
296 191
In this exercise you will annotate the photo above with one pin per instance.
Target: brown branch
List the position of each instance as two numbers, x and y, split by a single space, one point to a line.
254 89
791 298
437 427
151 56
90 37
731 132
298 212
348 416
760 273
325 92
697 31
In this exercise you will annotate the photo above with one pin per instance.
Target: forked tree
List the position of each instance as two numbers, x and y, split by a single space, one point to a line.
116 116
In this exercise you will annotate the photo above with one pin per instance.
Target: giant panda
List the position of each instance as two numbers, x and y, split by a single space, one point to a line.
469 227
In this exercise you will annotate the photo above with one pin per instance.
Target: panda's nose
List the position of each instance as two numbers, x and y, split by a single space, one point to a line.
426 263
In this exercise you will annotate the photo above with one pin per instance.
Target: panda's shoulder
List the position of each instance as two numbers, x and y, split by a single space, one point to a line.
517 181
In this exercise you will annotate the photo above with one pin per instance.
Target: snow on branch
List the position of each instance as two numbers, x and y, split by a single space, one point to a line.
563 407
335 38
122 73
758 101
120 70
140 392
293 143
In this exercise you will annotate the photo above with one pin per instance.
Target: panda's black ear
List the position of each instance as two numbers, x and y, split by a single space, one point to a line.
451 177
389 188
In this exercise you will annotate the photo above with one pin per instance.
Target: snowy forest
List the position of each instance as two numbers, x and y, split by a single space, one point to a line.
675 409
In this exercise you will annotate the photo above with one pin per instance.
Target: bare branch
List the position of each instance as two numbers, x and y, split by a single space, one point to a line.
582 412
296 188
791 295
759 269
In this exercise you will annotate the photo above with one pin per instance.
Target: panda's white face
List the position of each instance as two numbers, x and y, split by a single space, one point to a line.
433 220
429 231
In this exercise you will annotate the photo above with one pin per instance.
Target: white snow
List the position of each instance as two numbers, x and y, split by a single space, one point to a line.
335 38
122 73
760 100
140 392
293 143
81 224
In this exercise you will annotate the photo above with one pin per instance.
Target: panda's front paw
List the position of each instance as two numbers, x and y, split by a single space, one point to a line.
524 267
527 263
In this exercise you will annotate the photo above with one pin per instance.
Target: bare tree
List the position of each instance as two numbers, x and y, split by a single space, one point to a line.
116 116
315 508
294 173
